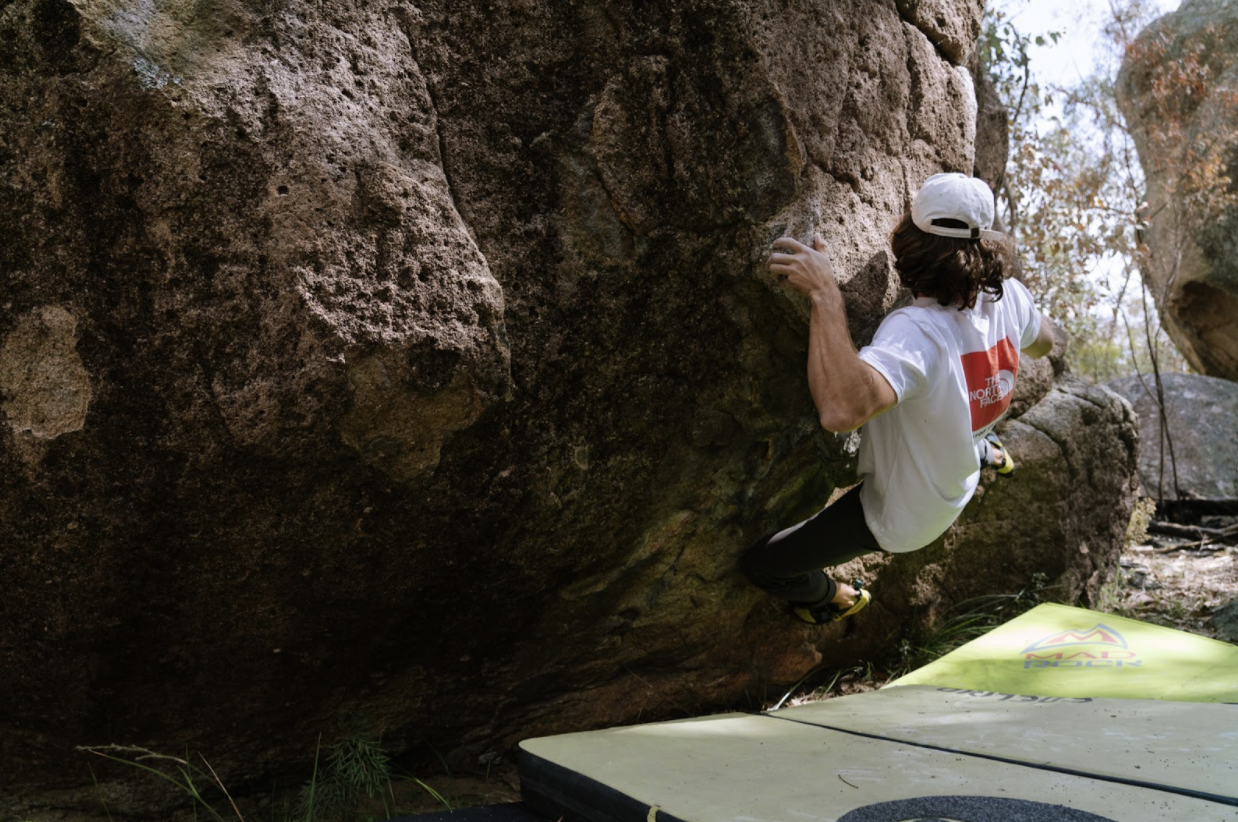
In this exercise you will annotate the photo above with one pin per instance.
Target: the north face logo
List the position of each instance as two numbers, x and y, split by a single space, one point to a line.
990 382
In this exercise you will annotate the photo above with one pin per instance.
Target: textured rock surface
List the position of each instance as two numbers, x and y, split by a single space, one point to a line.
1201 412
412 369
1194 270
951 25
1225 619
1067 508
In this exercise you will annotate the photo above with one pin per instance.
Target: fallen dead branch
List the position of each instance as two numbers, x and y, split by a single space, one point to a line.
1194 532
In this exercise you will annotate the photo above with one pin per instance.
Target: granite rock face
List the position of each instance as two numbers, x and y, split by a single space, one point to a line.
414 369
1202 449
1179 92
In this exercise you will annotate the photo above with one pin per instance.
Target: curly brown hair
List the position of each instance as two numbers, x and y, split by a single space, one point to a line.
950 269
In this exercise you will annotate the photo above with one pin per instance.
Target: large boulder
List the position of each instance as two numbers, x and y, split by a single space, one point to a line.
414 369
1178 91
1198 461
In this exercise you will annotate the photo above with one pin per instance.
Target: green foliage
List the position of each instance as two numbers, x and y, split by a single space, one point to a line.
356 768
182 773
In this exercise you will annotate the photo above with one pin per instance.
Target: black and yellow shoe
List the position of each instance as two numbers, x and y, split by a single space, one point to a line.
825 614
997 457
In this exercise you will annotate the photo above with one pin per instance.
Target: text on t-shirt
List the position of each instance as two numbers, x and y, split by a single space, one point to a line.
990 382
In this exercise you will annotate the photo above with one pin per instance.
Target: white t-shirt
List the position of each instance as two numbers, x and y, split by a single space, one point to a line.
954 373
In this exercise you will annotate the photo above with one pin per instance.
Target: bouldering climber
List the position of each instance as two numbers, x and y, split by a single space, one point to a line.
928 390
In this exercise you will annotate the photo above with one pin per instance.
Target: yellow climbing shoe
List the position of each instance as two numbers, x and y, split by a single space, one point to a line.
825 614
997 457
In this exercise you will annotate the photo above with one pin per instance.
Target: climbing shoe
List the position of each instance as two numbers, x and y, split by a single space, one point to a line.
996 456
825 614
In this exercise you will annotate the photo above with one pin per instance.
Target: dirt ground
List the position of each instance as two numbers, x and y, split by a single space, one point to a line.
431 794
1179 583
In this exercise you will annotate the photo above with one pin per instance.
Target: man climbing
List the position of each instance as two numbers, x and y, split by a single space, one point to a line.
929 389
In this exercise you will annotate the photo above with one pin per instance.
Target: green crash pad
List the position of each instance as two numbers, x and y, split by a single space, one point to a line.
1060 715
892 756
1180 747
1056 650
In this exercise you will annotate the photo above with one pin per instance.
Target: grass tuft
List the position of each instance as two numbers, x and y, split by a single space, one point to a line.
357 768
964 622
350 778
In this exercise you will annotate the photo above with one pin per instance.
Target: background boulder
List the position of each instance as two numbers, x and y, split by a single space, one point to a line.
414 370
1178 90
1200 412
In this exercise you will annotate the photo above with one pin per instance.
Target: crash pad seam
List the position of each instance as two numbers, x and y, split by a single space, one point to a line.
1188 792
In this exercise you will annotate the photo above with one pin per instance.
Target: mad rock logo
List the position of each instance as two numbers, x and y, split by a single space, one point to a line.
1097 647
990 382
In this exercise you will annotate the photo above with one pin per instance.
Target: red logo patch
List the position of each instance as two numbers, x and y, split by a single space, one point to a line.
990 382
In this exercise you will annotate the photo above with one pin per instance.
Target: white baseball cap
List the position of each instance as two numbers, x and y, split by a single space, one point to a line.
954 196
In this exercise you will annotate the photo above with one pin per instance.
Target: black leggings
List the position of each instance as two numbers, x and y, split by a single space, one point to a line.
789 563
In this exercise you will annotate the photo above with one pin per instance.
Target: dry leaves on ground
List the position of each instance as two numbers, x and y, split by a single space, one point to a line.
1176 584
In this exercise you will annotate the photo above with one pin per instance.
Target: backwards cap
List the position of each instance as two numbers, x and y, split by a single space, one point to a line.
955 196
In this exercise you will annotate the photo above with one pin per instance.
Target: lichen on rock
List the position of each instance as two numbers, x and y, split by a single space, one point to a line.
44 388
